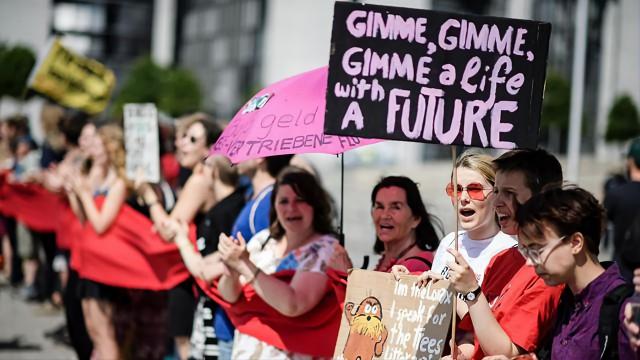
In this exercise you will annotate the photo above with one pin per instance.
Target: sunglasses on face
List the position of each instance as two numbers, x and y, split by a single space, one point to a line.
475 191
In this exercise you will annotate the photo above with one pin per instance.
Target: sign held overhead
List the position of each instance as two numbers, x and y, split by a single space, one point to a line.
427 76
141 142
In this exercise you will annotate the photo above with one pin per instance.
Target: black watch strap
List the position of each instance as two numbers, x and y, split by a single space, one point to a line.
473 295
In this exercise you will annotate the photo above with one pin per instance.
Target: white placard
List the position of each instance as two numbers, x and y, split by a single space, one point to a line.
142 142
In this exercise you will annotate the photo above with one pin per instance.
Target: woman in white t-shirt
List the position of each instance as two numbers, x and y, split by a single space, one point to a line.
481 238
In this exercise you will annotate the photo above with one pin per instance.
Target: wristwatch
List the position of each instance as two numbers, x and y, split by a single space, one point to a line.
471 296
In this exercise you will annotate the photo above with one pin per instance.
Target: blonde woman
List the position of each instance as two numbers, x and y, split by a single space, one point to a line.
480 238
106 177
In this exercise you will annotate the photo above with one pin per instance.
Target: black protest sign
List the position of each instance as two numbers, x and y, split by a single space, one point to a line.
427 76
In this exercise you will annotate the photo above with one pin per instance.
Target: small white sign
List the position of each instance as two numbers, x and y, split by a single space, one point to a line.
142 142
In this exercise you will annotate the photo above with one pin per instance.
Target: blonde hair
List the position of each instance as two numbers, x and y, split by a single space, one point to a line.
112 138
478 162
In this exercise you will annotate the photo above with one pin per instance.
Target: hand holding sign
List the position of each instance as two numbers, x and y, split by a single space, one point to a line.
461 275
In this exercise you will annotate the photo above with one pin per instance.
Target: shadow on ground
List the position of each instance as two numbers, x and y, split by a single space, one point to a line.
17 344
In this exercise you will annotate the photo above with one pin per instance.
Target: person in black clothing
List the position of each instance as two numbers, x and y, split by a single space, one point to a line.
623 205
206 264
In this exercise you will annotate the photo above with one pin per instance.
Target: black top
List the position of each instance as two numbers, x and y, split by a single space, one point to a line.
219 219
623 205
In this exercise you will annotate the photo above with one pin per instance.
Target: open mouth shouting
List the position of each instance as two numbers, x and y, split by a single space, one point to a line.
385 228
466 214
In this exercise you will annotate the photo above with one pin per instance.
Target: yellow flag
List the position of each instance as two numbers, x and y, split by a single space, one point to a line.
72 80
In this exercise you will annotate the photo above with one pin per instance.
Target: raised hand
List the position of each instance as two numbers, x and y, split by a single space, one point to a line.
461 275
232 250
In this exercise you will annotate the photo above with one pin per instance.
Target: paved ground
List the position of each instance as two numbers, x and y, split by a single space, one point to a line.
22 328
22 325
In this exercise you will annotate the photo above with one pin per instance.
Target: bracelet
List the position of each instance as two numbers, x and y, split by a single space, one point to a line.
255 276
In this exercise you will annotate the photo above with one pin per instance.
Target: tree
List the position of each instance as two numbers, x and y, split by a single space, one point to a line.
623 121
15 65
174 91
181 93
555 108
556 102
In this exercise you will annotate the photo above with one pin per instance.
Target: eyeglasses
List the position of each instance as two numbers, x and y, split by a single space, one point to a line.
475 191
535 255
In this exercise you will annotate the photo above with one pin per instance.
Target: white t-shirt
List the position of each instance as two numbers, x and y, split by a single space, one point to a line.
478 253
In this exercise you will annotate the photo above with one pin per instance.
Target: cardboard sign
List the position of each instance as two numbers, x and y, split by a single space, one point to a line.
427 76
72 80
141 142
388 319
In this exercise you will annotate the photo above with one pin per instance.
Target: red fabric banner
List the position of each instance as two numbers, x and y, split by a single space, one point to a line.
130 255
31 204
68 227
314 333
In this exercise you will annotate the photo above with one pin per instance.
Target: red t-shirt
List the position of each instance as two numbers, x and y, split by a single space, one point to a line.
525 309
501 269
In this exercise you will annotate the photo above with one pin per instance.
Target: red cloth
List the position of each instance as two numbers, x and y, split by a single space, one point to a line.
314 333
73 232
525 309
130 255
415 265
30 204
170 168
67 226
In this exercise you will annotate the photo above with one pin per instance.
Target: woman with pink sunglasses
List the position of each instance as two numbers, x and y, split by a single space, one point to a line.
480 238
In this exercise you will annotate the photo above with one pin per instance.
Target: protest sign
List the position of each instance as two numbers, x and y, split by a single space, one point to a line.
427 76
388 319
141 142
71 80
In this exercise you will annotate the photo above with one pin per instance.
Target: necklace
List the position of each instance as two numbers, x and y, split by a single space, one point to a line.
394 261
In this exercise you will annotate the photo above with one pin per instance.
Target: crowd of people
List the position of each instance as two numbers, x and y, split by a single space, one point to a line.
245 262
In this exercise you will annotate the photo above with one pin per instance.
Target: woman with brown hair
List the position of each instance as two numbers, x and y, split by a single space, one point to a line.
301 239
405 235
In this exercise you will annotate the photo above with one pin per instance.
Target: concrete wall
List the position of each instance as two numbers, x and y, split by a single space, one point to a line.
619 69
25 21
297 35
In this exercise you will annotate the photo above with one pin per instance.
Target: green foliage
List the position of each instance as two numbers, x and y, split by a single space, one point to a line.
181 94
556 103
15 65
624 121
174 91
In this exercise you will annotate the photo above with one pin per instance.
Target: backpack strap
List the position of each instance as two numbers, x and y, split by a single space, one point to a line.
609 320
